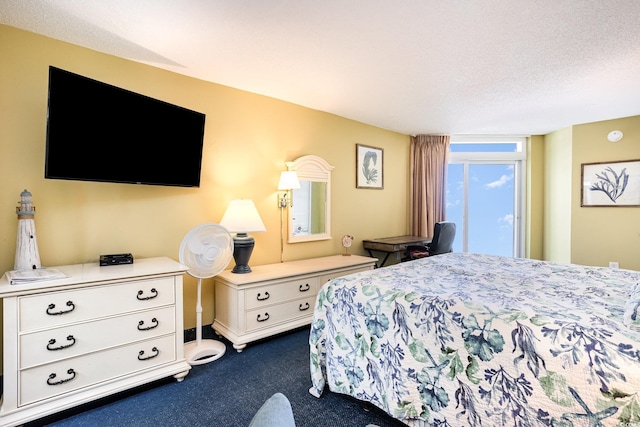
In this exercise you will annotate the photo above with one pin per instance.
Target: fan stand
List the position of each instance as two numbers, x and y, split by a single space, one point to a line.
201 351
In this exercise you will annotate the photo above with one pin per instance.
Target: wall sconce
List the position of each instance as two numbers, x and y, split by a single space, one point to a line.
241 217
288 181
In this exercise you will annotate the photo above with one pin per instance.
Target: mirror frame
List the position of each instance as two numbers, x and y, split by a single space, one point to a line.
315 169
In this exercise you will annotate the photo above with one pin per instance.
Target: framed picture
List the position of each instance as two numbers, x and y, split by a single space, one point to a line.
369 167
611 183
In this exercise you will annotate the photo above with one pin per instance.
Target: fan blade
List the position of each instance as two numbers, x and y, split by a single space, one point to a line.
206 250
195 246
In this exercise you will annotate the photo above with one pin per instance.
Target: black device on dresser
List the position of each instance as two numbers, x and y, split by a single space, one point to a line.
115 259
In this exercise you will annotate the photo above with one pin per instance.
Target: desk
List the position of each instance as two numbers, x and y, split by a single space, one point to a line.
392 245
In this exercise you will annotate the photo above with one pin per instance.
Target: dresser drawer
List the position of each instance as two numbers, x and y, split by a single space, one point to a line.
330 276
59 308
268 316
67 375
72 340
273 294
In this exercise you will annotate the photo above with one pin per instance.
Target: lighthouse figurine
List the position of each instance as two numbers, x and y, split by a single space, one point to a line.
27 256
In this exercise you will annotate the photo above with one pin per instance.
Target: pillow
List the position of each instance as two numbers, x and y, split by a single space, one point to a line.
632 309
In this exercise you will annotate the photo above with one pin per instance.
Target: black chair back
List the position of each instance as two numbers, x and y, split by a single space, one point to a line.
443 234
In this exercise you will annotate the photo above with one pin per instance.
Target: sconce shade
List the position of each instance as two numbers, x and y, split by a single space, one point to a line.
241 217
289 181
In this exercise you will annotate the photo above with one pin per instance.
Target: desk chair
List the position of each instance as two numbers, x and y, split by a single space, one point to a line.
443 234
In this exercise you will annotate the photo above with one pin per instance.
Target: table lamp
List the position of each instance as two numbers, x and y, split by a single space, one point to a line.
241 217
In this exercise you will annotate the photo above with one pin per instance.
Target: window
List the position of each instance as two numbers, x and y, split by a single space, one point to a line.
485 194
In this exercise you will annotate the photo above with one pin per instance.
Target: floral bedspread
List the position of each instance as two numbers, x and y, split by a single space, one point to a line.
477 340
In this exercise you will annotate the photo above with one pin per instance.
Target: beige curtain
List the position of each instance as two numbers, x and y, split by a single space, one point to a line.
429 159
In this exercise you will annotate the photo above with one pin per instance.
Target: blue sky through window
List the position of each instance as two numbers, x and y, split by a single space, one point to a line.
475 147
490 204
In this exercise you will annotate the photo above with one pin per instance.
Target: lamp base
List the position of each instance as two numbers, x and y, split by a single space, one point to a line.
241 269
242 249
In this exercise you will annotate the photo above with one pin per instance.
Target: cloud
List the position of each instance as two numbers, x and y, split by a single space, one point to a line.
508 218
456 202
500 182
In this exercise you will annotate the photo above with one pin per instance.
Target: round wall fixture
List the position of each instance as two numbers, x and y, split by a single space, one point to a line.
614 136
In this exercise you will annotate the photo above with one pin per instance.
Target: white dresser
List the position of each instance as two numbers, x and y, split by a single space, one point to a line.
275 298
99 331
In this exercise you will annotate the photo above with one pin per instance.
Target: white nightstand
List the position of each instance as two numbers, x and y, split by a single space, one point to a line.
275 298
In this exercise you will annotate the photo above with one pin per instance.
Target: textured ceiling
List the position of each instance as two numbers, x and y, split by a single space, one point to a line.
412 66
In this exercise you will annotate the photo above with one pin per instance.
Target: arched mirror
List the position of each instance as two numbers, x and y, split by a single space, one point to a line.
310 216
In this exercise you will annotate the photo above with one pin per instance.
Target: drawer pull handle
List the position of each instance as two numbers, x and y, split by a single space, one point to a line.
304 307
141 298
155 351
263 298
305 289
62 381
56 313
146 328
263 319
52 341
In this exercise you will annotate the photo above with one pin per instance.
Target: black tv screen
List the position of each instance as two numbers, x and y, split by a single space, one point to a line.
99 132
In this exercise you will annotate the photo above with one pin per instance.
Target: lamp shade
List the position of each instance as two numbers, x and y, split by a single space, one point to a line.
288 181
242 216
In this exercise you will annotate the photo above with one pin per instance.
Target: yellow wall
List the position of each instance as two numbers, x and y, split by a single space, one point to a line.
248 139
588 235
603 234
535 198
557 196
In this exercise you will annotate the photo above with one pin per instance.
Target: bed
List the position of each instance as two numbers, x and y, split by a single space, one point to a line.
477 340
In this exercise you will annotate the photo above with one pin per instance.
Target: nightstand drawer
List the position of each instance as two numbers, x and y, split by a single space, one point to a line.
330 276
71 374
268 316
59 308
72 340
273 294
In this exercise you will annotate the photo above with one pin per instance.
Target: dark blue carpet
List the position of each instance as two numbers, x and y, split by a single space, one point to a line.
227 392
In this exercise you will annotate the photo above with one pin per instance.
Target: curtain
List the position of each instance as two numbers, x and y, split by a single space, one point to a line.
429 159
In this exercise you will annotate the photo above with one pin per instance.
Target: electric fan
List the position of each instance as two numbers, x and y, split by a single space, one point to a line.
207 250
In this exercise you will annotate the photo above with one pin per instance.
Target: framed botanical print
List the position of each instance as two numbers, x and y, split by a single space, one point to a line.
611 183
369 167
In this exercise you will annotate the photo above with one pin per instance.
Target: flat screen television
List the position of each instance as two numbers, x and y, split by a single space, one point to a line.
99 132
